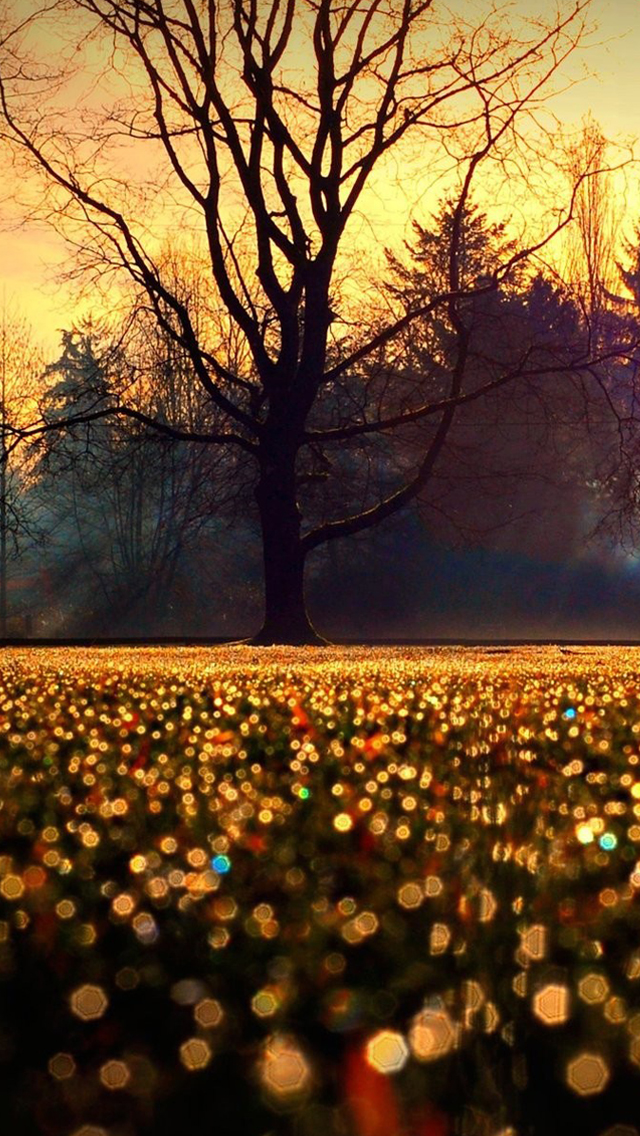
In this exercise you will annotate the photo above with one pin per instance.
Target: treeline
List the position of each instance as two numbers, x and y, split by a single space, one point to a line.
118 516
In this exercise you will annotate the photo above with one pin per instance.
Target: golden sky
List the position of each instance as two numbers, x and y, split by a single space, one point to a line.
603 80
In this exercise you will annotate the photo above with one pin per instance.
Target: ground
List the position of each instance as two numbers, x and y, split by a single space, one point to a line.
320 892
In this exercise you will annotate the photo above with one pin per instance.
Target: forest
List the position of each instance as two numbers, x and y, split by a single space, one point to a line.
266 411
117 525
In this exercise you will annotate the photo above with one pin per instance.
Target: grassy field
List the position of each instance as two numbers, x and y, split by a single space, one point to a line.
340 892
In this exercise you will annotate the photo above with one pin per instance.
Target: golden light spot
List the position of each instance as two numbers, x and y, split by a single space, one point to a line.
12 888
410 895
218 938
473 995
487 905
342 822
367 923
265 1003
115 1075
122 905
587 1074
432 886
65 909
550 1004
137 864
491 1017
145 927
439 938
208 1013
533 942
197 857
62 1066
284 1071
89 1002
615 1010
584 833
195 1053
432 1034
387 1052
593 988
90 1130
86 934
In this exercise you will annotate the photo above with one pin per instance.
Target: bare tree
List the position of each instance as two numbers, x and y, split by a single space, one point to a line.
591 243
269 122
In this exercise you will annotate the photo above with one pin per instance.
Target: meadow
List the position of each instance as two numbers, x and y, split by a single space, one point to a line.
320 892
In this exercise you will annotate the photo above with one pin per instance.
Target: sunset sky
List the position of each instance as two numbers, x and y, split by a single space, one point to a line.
603 80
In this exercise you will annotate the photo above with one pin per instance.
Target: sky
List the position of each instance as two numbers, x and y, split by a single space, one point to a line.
601 80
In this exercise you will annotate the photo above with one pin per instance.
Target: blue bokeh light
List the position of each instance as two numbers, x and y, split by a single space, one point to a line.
221 864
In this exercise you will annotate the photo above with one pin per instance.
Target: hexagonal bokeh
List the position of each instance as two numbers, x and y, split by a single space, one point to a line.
587 1074
593 988
410 895
433 1034
195 1053
387 1051
12 887
621 1130
115 1074
533 941
61 1066
90 1130
285 1071
433 886
89 1002
208 1013
366 923
265 1003
550 1004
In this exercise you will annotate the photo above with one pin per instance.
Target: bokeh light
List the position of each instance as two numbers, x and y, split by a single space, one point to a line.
89 1002
587 1074
387 1051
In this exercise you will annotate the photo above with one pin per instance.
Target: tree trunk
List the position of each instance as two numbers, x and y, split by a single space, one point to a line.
286 619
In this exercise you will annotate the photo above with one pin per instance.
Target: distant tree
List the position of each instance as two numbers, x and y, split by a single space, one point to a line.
591 239
123 502
618 480
272 152
511 455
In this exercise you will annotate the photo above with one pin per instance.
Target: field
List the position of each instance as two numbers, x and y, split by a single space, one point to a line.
320 893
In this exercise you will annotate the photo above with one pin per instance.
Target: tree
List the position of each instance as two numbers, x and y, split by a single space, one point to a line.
590 268
274 159
125 504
